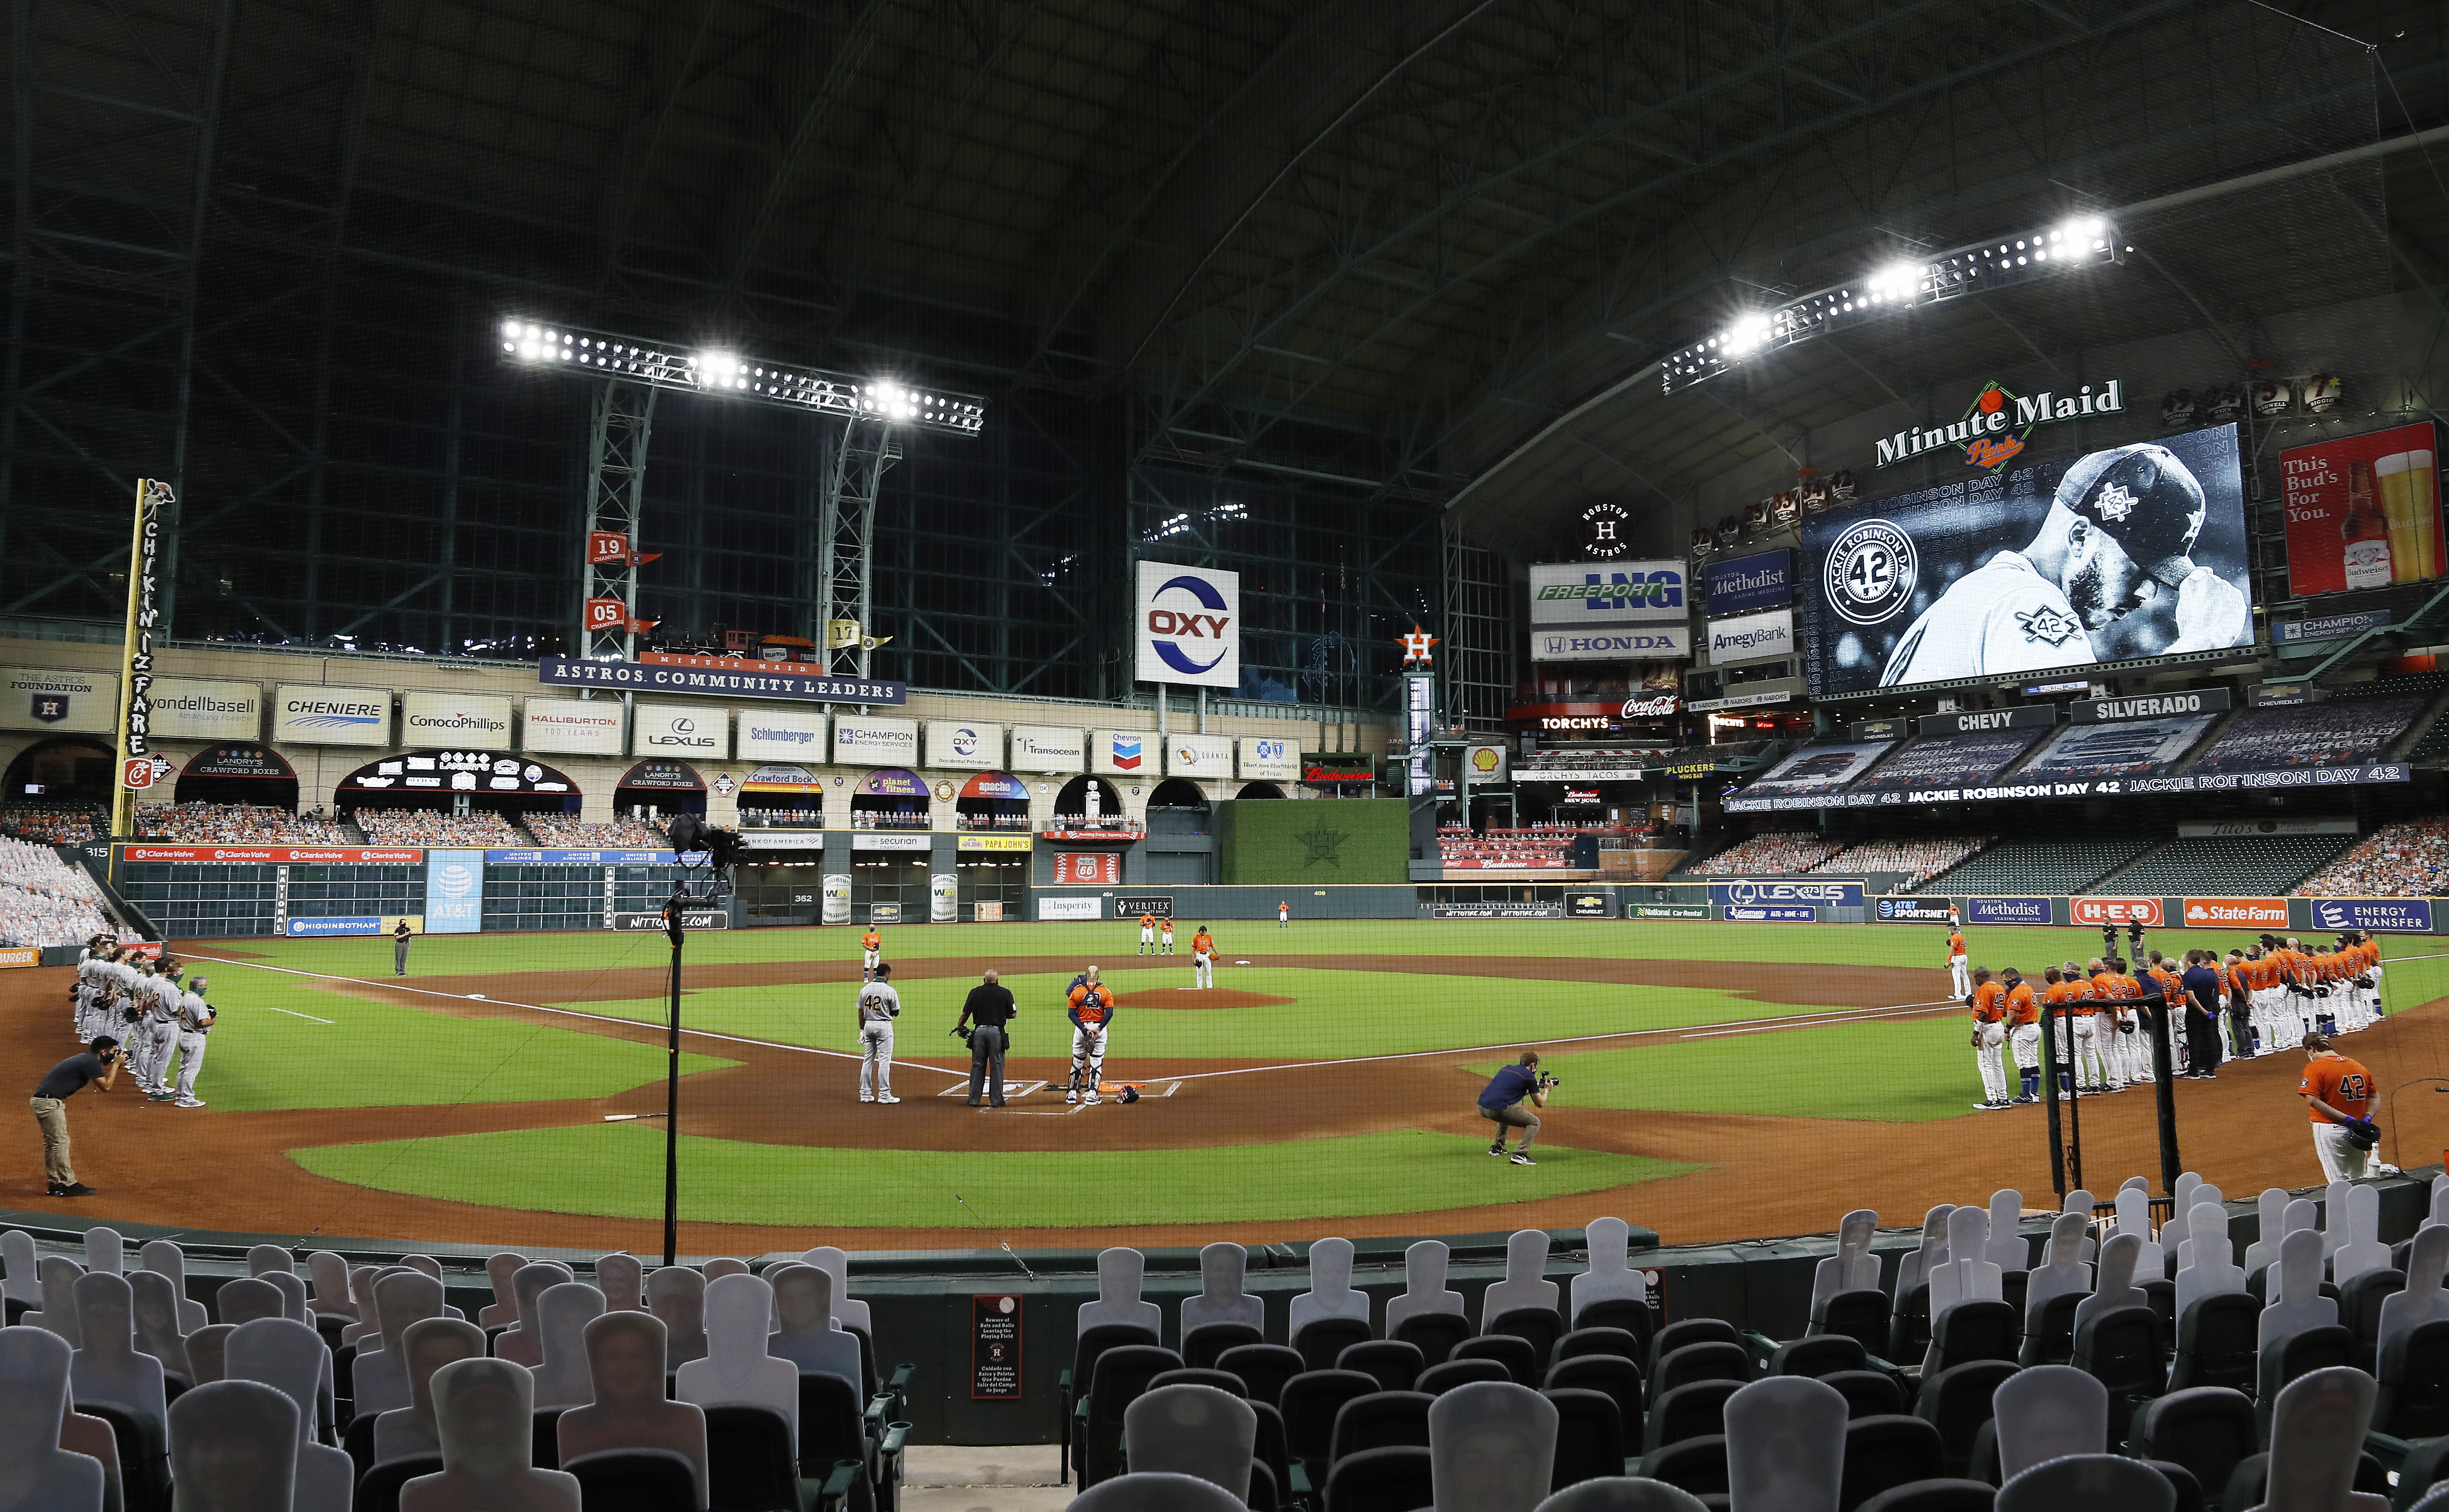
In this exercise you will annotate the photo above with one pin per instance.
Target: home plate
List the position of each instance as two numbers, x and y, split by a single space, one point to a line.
1015 1089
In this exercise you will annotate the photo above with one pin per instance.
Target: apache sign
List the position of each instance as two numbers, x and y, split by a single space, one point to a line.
1996 423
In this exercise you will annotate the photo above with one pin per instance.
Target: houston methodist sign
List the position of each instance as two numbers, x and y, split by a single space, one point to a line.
1188 626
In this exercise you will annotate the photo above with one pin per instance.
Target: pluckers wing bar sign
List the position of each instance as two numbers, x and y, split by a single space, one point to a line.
1995 425
733 679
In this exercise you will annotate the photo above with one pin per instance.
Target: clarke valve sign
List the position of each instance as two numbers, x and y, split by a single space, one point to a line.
1189 626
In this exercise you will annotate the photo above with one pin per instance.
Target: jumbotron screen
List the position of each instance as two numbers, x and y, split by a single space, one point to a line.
2116 555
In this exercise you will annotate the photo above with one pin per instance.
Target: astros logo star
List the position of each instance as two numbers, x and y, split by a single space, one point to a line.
1415 645
1324 845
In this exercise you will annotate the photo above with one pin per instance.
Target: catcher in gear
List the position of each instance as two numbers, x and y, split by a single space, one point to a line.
2120 531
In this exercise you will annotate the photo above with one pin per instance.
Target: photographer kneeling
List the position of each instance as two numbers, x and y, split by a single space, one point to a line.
97 1065
1500 1103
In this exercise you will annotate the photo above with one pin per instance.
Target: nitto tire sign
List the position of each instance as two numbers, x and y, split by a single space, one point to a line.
1188 627
2403 915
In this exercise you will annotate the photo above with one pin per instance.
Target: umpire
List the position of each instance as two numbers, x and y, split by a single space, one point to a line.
991 1007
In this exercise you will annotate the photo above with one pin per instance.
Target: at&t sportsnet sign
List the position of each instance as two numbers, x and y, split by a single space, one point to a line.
1913 911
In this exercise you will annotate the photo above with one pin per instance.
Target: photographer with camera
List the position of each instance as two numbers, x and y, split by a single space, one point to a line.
989 1003
98 1065
2337 1092
1500 1103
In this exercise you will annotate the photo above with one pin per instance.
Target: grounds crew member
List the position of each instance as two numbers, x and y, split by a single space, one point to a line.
99 1065
989 1003
879 1005
1091 1012
2336 1092
1501 1103
399 939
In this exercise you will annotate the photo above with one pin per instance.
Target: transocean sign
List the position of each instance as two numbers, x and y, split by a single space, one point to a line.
1997 422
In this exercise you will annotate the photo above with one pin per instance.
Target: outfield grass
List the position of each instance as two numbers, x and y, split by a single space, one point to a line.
616 1170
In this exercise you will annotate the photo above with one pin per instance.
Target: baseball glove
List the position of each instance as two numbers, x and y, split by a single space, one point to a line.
1975 1040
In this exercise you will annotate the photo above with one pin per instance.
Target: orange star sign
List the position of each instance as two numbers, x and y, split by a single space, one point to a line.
1415 645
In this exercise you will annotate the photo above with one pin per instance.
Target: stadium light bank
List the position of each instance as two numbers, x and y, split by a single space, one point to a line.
729 374
2083 241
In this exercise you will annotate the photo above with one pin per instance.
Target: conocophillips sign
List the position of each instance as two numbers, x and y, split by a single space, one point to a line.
1580 594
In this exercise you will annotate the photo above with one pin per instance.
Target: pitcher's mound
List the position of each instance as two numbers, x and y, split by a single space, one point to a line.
1196 997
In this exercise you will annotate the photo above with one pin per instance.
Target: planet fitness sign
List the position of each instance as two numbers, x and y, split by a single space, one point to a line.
1188 626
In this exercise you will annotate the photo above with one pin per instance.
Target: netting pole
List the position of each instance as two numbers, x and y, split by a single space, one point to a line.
673 926
2164 1091
2050 1104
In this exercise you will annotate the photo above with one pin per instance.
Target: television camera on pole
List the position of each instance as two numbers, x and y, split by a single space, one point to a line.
716 851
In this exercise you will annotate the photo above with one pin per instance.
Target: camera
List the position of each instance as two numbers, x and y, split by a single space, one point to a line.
1545 1082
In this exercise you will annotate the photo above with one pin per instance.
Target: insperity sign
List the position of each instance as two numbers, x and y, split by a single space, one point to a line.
1997 422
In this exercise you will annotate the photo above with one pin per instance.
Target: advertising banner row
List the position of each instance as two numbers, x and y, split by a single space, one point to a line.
2410 916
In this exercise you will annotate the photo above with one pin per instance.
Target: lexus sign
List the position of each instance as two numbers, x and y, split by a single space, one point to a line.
1189 626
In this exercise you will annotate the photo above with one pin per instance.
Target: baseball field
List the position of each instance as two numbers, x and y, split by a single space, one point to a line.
1718 1081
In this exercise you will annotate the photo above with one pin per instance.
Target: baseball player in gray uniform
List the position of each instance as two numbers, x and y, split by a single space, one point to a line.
879 1005
92 970
195 1020
159 1034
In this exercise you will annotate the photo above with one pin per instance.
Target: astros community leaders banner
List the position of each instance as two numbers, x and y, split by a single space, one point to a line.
747 682
1188 626
2119 555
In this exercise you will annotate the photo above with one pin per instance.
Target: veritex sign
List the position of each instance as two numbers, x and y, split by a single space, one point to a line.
1997 422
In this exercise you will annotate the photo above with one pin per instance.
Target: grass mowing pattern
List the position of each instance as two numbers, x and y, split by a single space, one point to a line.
617 1171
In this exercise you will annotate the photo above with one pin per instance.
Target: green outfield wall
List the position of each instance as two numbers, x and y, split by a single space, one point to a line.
1315 845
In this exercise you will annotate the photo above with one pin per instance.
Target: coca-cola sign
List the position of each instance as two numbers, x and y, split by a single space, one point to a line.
1649 706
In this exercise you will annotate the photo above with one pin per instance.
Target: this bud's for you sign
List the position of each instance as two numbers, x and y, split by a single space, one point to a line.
2363 512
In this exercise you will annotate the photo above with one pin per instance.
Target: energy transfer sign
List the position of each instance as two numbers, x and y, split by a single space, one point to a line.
1188 626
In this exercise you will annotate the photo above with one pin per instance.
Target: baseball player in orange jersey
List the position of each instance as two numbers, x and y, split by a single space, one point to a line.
2262 996
2024 1033
1091 1011
2171 991
1988 1000
1956 962
2111 987
1203 958
1165 936
2295 981
2238 1005
871 943
2065 1004
2095 1027
2337 1092
1148 933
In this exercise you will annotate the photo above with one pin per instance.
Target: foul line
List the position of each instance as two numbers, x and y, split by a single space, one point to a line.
567 1013
1687 1031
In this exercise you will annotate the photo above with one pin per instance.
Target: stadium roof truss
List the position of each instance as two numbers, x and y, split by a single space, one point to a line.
1408 254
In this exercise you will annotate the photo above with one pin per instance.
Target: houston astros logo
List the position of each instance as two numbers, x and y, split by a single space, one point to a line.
1324 845
1870 571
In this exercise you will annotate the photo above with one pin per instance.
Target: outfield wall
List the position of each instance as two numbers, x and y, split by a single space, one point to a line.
922 1302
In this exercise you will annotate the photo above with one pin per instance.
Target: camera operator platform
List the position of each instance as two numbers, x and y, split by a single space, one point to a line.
1501 1102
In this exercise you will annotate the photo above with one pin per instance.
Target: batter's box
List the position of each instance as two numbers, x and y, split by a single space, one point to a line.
1011 1089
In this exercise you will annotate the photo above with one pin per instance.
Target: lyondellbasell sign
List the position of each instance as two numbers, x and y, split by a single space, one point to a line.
1995 425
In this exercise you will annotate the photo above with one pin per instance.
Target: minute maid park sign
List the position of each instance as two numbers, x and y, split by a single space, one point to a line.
1997 422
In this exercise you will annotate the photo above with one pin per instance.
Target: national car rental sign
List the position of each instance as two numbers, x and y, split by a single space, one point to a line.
1189 626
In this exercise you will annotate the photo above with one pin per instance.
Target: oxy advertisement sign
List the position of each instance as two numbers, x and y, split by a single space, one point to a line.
194 708
2006 910
1751 639
1266 758
2009 574
45 698
1744 585
2362 511
967 744
1649 643
681 730
1912 911
570 725
1188 627
1581 594
455 892
781 735
2144 911
1048 748
316 714
1197 756
454 719
1751 891
2204 913
860 741
2405 916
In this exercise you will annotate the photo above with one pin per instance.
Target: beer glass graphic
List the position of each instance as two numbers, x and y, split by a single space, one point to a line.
2409 483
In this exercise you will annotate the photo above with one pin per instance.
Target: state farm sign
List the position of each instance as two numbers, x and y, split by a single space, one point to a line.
2206 911
2144 911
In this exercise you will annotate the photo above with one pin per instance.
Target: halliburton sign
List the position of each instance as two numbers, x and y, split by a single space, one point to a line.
2203 912
2144 911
